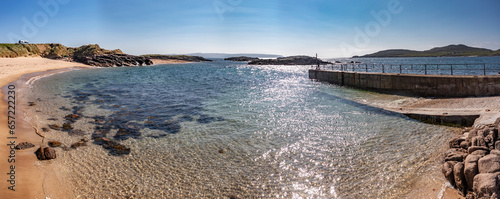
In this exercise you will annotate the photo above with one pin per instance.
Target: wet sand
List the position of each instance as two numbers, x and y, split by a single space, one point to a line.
33 179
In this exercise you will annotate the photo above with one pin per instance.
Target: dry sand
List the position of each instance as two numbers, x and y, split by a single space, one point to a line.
32 179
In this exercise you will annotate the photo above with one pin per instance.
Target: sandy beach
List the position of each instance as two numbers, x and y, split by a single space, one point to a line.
31 179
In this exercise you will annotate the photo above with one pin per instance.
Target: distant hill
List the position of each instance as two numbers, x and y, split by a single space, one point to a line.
446 51
225 55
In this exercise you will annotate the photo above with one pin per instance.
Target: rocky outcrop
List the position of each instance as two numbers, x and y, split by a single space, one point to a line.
113 60
293 60
241 58
46 153
472 164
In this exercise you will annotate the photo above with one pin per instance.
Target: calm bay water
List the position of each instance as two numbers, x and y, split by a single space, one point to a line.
226 129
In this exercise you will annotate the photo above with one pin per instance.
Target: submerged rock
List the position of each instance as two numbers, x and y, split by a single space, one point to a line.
67 127
24 145
114 147
54 143
55 127
46 153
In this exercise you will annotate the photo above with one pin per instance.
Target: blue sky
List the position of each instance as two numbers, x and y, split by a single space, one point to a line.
331 28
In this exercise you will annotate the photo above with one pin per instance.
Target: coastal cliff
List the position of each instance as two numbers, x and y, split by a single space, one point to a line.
293 60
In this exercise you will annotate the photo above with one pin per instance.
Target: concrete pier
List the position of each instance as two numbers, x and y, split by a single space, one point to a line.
414 84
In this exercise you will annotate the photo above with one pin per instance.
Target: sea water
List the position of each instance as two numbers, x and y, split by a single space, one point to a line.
228 129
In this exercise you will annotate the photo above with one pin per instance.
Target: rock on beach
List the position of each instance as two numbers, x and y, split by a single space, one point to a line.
472 165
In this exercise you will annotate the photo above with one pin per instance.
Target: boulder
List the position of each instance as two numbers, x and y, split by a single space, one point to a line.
470 169
458 156
495 152
459 176
448 172
455 142
497 145
486 185
489 164
46 153
24 145
476 148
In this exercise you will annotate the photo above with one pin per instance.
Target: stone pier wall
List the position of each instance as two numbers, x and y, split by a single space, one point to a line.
414 84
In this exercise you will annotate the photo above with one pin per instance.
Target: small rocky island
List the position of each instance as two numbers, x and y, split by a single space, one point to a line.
292 60
241 58
186 58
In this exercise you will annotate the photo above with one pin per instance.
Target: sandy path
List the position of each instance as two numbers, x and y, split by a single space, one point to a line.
32 179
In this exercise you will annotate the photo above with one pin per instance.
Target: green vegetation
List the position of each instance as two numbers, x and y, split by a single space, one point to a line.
446 51
18 50
53 51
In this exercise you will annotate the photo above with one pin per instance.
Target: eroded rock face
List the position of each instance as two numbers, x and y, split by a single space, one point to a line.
46 153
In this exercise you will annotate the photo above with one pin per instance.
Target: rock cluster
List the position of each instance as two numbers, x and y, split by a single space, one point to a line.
472 164
111 60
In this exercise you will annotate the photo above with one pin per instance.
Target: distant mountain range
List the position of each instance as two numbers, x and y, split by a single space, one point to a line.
446 51
225 55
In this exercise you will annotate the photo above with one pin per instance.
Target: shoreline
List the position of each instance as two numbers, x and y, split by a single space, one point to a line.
31 179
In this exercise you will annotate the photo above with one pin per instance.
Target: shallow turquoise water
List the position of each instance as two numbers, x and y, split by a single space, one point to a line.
229 129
